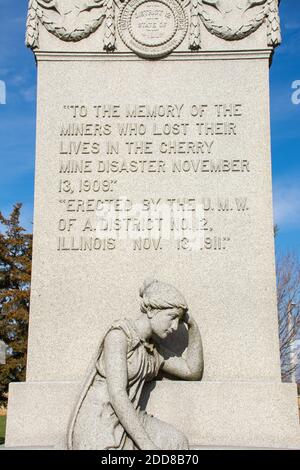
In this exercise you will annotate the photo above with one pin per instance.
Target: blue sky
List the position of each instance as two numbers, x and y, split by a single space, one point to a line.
17 120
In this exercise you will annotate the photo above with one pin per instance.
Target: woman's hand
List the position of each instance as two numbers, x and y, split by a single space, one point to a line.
191 366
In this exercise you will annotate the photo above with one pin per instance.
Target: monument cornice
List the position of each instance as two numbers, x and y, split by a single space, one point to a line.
46 56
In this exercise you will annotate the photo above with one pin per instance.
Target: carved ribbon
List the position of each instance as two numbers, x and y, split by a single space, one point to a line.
110 30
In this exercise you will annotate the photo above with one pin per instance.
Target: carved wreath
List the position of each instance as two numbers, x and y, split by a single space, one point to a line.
70 21
213 16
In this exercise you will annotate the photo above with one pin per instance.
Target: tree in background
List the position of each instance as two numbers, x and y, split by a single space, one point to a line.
288 301
15 274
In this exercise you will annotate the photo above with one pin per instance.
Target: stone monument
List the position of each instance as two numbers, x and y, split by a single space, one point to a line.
153 160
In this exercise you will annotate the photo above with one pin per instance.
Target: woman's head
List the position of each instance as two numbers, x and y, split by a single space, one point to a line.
164 305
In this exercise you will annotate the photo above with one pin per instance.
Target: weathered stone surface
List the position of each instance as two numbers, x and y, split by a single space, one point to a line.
230 291
241 414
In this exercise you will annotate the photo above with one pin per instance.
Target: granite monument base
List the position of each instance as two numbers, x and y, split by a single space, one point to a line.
217 414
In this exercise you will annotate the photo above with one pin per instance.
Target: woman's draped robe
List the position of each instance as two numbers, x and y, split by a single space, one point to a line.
94 424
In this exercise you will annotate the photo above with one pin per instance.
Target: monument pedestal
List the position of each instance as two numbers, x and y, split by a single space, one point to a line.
237 414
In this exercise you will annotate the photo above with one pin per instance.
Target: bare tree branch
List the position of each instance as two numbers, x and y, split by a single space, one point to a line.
288 302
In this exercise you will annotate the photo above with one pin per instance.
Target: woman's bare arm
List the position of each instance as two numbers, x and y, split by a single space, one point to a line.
115 356
192 367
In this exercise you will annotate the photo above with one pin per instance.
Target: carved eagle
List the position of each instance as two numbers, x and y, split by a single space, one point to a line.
227 6
234 19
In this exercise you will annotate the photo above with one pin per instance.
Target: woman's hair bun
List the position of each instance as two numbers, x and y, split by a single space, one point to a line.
146 284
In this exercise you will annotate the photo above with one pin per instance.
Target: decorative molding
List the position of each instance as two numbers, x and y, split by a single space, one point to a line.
258 54
273 24
230 20
195 38
110 29
32 26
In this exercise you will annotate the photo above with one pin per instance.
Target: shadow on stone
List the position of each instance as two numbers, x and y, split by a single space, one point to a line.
175 345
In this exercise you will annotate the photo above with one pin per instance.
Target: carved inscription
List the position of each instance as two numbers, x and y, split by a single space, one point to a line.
105 150
152 29
153 23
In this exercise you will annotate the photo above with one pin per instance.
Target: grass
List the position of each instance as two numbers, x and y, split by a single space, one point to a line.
2 429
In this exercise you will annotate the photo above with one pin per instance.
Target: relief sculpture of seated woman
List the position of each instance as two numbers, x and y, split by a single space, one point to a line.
108 415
